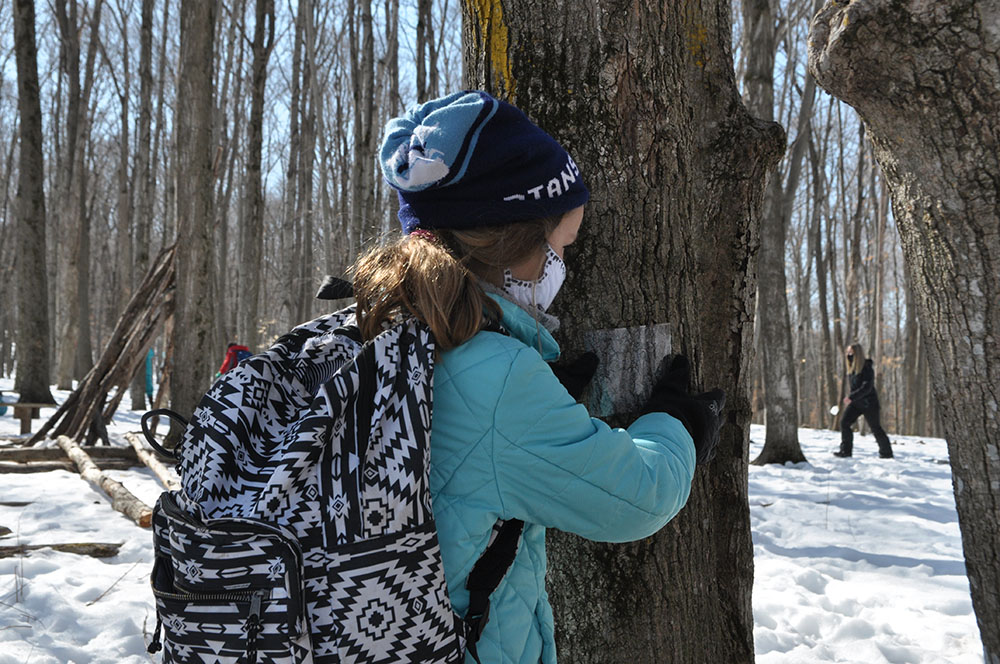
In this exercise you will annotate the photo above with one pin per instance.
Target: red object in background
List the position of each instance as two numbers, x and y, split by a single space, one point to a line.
234 354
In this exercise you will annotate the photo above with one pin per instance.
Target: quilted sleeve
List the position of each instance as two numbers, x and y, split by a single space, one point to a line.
558 467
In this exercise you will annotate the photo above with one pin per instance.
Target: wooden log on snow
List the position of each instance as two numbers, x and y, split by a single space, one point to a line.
92 549
23 467
121 498
166 476
99 454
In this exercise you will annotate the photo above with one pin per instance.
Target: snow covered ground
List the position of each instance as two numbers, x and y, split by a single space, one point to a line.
856 560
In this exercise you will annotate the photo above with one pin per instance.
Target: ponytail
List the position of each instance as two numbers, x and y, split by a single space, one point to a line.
434 276
416 276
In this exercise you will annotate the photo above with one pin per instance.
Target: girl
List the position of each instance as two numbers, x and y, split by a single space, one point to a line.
489 204
862 400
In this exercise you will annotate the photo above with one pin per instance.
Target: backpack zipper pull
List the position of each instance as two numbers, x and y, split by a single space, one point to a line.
253 626
155 645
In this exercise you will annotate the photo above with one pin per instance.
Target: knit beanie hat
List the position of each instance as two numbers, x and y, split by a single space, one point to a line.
469 160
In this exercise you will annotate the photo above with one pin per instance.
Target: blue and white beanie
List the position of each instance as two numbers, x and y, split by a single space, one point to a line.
469 160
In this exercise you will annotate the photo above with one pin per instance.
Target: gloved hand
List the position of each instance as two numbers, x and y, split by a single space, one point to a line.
576 375
701 414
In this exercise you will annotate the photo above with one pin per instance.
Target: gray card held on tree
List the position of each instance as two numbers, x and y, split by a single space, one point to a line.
629 357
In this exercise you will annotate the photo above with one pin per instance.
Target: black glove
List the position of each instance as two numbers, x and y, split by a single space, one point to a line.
701 414
576 375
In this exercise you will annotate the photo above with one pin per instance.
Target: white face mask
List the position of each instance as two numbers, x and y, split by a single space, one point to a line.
539 293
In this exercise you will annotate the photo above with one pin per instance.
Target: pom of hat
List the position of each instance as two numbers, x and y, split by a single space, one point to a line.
468 160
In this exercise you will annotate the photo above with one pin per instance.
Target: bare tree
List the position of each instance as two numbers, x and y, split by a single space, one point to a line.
643 95
926 81
195 275
73 340
777 367
32 381
252 225
143 174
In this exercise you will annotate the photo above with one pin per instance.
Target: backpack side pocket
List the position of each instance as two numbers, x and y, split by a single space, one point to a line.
228 591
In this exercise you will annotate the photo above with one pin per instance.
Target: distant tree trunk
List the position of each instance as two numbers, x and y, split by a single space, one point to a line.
781 394
393 101
162 136
852 241
143 178
924 78
304 282
192 369
427 76
363 86
32 379
828 365
289 223
643 96
252 224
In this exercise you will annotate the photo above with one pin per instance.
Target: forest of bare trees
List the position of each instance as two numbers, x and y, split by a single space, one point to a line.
300 92
244 132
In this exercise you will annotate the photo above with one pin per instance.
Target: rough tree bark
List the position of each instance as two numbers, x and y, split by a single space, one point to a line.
925 78
192 369
32 380
643 95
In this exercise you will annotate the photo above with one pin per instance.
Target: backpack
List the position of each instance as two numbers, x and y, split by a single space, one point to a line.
303 531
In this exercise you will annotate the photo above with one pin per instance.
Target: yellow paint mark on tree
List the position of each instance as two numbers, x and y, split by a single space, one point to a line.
697 41
488 15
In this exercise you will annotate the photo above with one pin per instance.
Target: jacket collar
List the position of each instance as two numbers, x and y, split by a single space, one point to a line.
520 324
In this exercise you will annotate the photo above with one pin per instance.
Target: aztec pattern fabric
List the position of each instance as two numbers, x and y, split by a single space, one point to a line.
303 531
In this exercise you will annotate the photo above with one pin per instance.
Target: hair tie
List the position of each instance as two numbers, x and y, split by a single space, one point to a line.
424 234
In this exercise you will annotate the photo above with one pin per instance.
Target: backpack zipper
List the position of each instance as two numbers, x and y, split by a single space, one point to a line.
253 626
253 622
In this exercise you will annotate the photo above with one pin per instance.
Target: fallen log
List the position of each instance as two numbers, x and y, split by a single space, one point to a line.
92 549
121 498
56 454
166 476
25 467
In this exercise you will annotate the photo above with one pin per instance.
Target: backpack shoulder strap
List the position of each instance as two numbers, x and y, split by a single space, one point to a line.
486 576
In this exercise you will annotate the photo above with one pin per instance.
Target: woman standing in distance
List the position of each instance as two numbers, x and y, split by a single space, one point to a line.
489 204
862 400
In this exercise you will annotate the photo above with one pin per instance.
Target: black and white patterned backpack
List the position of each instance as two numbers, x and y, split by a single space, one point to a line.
303 531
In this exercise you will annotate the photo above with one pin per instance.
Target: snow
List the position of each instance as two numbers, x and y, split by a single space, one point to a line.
856 560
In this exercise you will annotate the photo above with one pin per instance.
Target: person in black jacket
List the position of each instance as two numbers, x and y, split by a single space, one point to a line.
862 400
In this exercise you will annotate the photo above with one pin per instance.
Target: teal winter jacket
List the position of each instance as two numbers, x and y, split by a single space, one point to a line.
508 441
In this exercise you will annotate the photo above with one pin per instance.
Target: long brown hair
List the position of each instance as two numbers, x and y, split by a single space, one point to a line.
857 364
436 279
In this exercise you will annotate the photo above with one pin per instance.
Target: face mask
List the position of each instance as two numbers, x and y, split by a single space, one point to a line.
539 293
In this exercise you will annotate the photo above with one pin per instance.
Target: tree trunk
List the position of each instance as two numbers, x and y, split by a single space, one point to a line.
252 225
144 180
781 394
644 97
925 79
32 380
73 341
192 370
